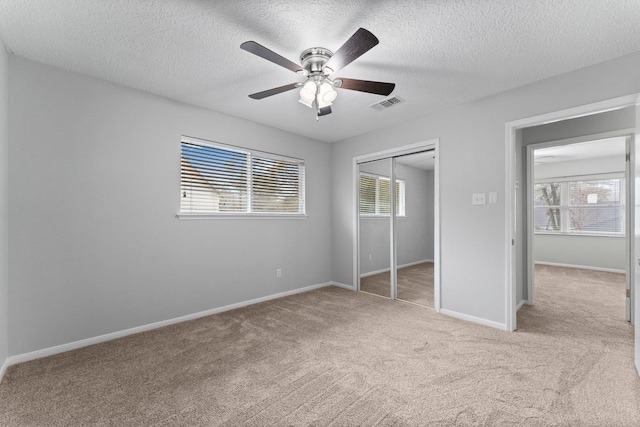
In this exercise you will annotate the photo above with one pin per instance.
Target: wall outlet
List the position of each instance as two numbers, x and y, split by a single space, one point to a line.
479 199
279 272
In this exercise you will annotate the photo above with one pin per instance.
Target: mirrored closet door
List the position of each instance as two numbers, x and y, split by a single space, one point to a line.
396 227
375 225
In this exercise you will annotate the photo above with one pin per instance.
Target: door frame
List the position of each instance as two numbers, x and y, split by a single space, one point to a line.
628 135
432 144
511 254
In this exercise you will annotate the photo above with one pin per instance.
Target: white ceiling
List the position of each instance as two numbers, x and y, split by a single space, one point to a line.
584 150
439 53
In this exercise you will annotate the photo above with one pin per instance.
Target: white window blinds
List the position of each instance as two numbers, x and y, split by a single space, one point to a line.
220 179
375 196
580 206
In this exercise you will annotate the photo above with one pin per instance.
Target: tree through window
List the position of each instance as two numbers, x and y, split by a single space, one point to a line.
580 206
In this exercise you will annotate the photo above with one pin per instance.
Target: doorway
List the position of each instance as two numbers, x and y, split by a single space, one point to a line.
578 215
516 242
397 239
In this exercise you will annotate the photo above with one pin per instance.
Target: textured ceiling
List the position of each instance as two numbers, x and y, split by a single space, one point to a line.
439 53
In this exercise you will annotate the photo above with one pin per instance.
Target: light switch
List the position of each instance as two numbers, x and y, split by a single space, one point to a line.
479 199
493 197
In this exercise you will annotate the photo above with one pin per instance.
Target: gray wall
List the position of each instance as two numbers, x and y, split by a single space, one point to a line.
472 160
4 207
414 231
94 173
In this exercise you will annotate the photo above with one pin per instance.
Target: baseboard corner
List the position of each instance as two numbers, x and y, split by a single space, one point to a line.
342 285
473 319
4 368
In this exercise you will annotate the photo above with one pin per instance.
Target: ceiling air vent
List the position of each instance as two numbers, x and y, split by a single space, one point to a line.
387 103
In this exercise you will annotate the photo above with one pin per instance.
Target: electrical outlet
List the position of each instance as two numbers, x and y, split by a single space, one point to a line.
479 199
279 272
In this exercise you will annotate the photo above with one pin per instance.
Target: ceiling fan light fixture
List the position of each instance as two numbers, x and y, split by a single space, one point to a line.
317 64
308 93
306 102
326 95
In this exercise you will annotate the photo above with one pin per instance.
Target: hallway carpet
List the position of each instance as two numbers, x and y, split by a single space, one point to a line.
341 358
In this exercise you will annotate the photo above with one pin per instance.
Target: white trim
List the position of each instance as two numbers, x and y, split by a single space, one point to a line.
342 285
521 304
436 229
396 152
575 112
510 142
384 270
432 144
50 351
241 215
3 369
474 319
581 267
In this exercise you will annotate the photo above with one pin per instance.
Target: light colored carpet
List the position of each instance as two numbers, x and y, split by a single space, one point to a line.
336 357
415 284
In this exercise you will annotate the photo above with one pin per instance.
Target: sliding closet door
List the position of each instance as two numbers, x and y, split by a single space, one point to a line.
375 227
414 227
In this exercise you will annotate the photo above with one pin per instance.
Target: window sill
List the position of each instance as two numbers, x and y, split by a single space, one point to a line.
240 216
547 233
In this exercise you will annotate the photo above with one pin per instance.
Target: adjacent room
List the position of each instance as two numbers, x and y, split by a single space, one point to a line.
330 213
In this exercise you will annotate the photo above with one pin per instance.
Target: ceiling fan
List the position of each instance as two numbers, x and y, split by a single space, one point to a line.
318 64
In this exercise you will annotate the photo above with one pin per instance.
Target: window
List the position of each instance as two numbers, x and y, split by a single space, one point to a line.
375 196
580 205
218 179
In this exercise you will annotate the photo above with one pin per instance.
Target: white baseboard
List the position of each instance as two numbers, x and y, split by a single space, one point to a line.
474 319
342 285
20 358
521 304
3 369
581 267
371 273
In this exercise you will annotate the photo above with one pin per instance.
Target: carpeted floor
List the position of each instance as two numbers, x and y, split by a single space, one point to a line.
336 357
415 284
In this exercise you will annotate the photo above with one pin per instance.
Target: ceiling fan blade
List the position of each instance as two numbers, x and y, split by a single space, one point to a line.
269 55
359 43
274 91
324 111
379 88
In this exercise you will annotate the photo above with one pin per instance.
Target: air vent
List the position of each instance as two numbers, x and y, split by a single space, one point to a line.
387 103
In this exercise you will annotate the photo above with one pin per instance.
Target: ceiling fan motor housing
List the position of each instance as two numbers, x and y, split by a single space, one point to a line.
313 60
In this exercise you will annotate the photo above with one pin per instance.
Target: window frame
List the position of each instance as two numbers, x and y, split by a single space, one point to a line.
248 213
565 205
400 195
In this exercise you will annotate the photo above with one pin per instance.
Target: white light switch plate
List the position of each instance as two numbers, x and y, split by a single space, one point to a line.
493 197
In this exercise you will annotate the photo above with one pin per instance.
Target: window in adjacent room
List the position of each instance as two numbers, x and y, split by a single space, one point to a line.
218 180
580 205
375 195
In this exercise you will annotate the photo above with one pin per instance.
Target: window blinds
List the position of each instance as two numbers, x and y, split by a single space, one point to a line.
375 195
219 179
580 206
